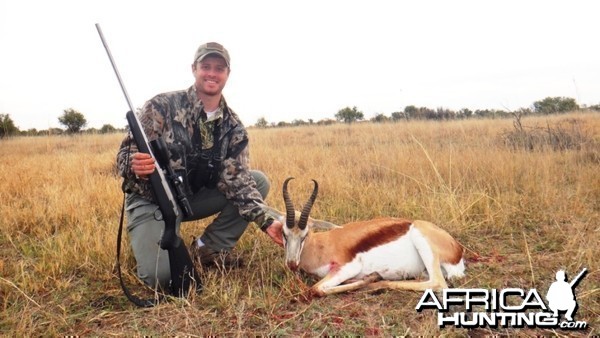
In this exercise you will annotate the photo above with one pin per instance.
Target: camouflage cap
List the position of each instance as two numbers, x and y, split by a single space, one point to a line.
210 48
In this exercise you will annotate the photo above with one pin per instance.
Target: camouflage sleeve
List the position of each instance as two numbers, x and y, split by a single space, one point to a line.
131 184
153 117
237 183
127 148
152 121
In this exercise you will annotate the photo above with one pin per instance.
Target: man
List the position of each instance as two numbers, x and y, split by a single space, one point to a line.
560 296
208 148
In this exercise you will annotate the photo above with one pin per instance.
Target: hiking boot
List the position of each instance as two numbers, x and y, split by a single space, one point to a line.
207 257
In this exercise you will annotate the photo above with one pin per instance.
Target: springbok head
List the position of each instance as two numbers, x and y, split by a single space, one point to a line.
297 225
295 230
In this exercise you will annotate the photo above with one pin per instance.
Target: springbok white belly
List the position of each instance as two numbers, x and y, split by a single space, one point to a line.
395 260
392 261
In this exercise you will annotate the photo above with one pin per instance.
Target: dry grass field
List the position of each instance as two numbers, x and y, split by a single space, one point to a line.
521 212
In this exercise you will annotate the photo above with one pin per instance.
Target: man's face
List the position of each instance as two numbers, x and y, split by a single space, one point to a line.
211 75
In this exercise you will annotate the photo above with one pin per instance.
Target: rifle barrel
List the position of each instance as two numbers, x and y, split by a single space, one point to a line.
576 279
114 65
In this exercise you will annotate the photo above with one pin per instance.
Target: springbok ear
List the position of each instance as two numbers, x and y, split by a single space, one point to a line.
321 225
278 215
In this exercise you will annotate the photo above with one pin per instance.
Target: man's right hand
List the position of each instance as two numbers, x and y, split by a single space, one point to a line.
142 165
275 231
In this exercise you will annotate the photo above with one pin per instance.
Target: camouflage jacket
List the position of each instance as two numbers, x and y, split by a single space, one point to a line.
179 118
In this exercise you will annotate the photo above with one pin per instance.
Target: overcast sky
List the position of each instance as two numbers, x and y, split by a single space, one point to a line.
297 59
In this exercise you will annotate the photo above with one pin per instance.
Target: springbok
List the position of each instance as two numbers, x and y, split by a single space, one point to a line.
374 254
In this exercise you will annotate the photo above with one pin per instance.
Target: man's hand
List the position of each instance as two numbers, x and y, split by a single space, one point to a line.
275 232
142 165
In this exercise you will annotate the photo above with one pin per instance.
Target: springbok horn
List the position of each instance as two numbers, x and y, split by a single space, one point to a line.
306 210
289 206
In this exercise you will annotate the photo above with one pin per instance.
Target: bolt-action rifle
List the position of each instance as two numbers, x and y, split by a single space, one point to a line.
169 194
577 278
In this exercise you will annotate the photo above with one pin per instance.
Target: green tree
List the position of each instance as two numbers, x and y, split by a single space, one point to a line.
465 113
380 118
412 112
261 123
7 126
73 120
349 115
326 122
107 129
53 131
397 116
299 122
421 113
553 105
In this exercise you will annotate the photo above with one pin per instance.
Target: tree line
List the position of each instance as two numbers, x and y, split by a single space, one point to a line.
549 105
75 121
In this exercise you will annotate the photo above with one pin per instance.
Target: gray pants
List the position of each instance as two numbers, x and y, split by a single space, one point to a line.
145 231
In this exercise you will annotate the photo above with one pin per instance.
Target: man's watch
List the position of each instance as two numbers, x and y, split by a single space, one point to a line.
267 223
